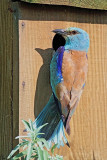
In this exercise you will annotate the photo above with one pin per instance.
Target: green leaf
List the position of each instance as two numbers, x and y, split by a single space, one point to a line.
34 156
21 154
29 151
25 146
58 157
40 153
40 144
35 151
22 137
31 124
44 142
27 125
24 140
53 148
39 134
16 148
45 155
39 128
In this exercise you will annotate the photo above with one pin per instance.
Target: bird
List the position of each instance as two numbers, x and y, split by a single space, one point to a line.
68 74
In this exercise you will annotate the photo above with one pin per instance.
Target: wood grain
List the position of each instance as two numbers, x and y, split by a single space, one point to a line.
9 78
6 113
93 4
15 74
88 138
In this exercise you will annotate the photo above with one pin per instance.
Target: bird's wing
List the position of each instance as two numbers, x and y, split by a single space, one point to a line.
74 73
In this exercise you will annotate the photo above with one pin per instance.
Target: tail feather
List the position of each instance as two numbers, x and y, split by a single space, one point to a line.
54 130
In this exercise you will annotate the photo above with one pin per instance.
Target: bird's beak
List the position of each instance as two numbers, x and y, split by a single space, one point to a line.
59 31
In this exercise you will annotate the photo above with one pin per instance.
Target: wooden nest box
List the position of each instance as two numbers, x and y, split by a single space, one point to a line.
26 45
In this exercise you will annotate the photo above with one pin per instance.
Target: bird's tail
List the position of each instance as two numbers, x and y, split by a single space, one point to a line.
54 130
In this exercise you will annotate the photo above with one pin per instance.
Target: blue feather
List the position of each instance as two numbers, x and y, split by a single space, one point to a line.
54 131
60 58
51 114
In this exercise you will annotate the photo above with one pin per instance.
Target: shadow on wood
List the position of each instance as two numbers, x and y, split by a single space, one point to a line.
43 87
88 125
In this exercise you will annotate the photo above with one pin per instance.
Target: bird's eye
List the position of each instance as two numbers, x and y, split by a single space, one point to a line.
74 32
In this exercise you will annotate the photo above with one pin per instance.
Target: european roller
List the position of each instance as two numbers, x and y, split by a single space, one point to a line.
68 73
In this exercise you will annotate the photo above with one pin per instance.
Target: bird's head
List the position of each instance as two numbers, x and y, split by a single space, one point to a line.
75 38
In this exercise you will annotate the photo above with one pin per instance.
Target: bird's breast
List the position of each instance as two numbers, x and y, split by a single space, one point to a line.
74 69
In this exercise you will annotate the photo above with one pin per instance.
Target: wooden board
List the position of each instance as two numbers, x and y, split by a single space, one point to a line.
15 73
9 78
88 138
93 4
6 112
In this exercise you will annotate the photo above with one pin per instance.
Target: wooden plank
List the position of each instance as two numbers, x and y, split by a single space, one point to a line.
93 4
15 74
88 138
6 112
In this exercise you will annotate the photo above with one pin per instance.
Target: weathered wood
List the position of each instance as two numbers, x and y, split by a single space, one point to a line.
93 4
9 78
88 138
15 74
6 109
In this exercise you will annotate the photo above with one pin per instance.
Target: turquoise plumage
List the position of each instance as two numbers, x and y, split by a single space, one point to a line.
68 71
